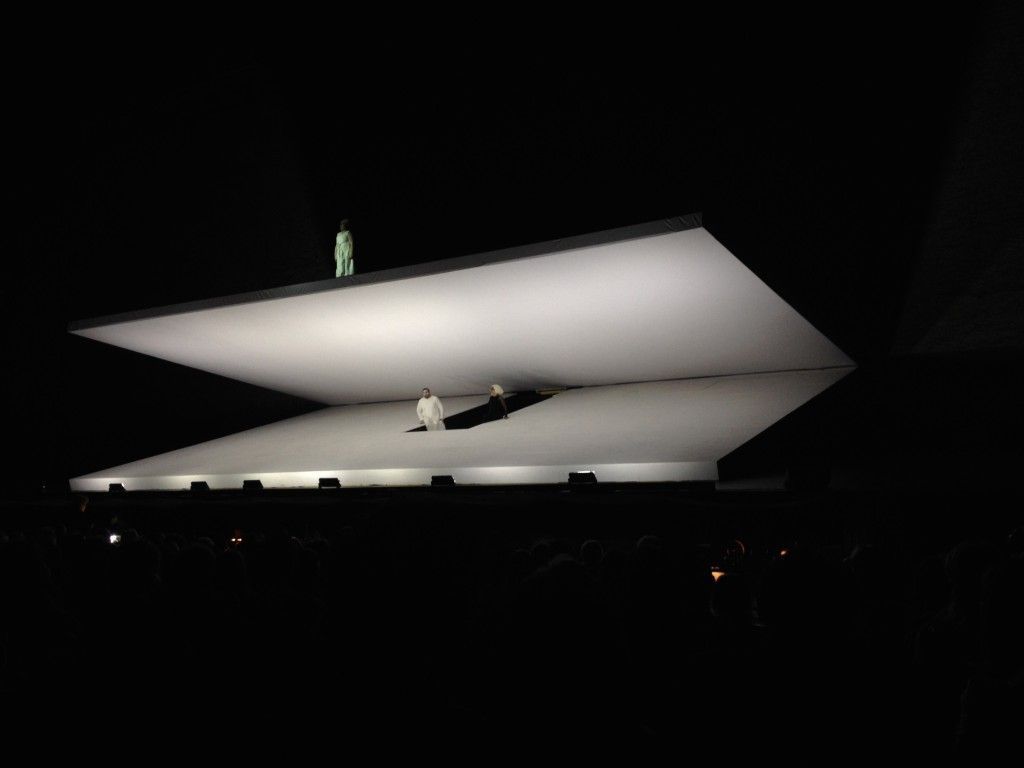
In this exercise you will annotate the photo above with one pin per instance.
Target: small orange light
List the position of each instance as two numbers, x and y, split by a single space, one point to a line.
717 574
783 552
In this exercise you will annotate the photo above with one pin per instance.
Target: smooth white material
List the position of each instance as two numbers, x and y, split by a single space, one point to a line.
655 431
662 307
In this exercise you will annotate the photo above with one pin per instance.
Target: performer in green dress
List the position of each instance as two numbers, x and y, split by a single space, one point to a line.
343 249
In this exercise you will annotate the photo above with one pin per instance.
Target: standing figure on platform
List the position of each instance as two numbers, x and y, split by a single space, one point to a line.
343 250
430 411
496 408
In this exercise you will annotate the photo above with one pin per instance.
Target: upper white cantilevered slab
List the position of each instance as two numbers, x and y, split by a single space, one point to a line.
655 302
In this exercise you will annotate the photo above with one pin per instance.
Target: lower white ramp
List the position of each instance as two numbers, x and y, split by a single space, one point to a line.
645 432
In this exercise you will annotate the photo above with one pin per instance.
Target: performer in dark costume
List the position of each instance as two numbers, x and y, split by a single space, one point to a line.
496 408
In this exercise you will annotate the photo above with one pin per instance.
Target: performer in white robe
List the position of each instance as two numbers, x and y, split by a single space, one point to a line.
343 249
430 411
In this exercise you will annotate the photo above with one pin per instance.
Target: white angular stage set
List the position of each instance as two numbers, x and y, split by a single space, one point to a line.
668 351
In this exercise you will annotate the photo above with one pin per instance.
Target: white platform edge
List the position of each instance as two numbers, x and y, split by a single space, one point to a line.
654 472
